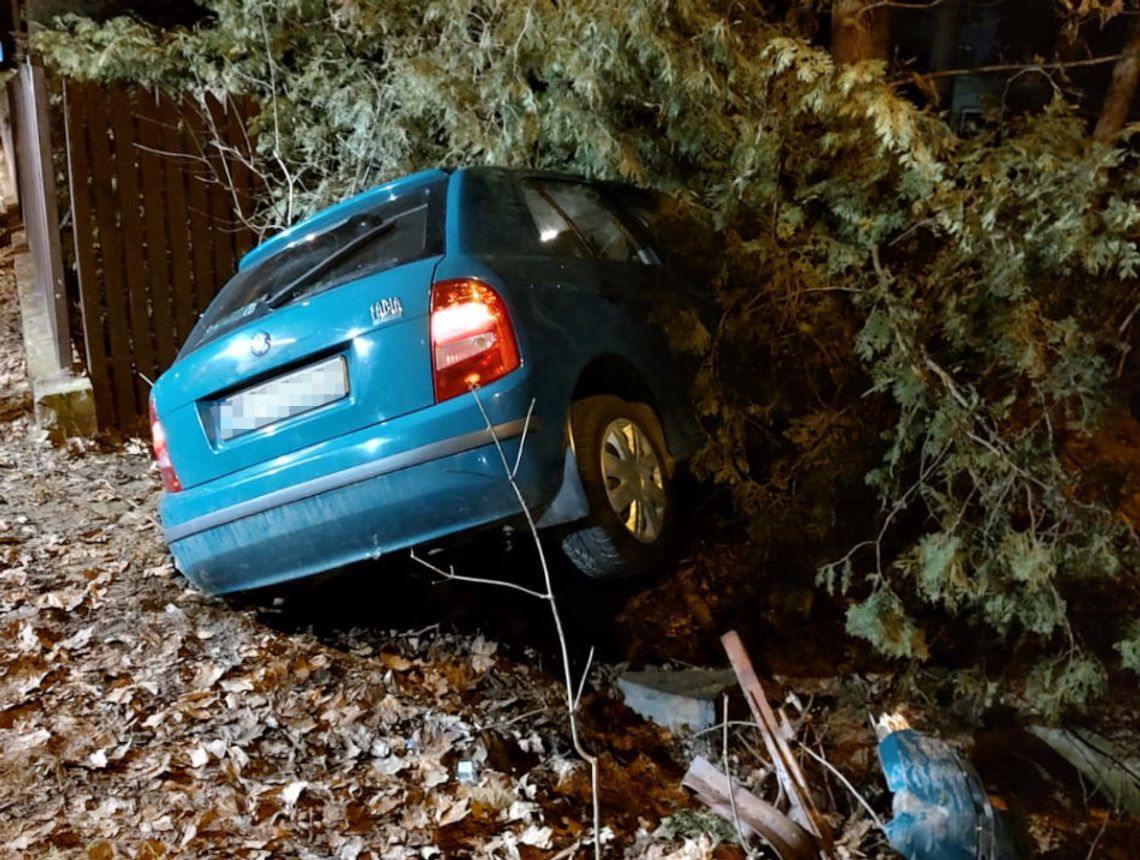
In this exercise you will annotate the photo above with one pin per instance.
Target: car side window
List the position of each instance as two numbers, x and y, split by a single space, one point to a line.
592 218
597 223
554 231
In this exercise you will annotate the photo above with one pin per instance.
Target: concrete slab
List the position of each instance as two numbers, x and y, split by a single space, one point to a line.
64 406
676 699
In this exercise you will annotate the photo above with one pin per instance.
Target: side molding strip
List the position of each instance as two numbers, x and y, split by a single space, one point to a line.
351 475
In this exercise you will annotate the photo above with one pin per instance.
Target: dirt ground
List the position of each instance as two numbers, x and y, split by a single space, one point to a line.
380 716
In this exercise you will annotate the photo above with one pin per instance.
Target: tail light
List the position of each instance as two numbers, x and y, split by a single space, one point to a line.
472 340
170 480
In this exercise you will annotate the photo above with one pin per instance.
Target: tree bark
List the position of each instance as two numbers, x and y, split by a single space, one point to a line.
858 32
1121 91
944 45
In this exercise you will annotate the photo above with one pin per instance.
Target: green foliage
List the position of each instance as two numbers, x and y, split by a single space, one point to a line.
1065 682
882 620
1129 648
878 307
696 822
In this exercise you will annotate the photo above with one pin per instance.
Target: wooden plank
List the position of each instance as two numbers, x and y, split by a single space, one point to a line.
199 208
131 237
223 219
177 220
243 177
157 239
787 769
83 226
790 841
111 254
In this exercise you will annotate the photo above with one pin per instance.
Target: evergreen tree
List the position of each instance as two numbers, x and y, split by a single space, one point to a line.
938 318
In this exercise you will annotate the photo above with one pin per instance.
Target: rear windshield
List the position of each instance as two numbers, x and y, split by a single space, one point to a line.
405 229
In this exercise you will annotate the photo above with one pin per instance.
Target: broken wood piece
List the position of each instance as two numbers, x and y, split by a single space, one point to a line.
756 816
787 769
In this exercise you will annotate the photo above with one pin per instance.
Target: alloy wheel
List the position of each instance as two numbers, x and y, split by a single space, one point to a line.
634 479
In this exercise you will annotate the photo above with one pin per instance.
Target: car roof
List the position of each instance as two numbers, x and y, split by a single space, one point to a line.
369 198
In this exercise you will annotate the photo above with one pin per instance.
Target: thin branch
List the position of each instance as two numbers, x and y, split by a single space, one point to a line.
1017 67
719 726
835 772
1095 842
522 440
548 596
731 789
451 575
151 521
516 719
585 676
894 4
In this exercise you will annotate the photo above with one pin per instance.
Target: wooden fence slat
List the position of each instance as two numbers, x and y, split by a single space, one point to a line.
111 254
223 223
157 243
243 180
177 220
199 206
130 221
76 96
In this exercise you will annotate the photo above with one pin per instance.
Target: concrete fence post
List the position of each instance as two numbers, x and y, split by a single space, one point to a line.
63 400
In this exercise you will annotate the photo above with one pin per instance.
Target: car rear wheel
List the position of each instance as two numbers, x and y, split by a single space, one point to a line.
624 466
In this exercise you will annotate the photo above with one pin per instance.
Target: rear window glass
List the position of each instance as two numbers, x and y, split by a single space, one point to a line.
395 232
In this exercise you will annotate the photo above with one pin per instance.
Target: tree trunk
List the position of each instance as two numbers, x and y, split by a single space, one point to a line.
1121 91
944 45
857 32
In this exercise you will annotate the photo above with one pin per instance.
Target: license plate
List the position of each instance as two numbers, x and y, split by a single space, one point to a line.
284 397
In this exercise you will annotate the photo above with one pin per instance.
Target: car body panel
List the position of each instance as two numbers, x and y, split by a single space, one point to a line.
387 467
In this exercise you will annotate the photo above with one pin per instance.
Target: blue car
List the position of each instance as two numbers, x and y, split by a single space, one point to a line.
340 398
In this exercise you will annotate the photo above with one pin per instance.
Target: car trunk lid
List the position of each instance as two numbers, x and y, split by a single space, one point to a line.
225 407
290 360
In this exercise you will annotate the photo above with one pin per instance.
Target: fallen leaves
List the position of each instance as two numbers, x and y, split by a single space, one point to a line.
139 718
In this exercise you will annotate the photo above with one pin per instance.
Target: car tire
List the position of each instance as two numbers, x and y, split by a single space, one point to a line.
625 467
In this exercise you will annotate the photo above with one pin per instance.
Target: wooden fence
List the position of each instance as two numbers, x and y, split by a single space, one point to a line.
156 232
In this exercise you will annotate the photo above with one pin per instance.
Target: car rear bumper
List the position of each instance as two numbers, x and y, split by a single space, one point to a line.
365 519
410 481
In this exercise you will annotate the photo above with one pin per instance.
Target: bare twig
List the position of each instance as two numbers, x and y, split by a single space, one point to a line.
151 521
522 439
452 576
585 675
846 784
1096 841
731 789
1019 67
894 4
546 595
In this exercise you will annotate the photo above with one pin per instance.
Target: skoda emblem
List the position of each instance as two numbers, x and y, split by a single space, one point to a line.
259 343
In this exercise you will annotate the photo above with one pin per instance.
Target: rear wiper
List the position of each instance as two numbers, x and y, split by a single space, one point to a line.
281 296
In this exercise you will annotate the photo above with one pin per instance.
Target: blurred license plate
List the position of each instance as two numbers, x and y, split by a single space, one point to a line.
284 397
